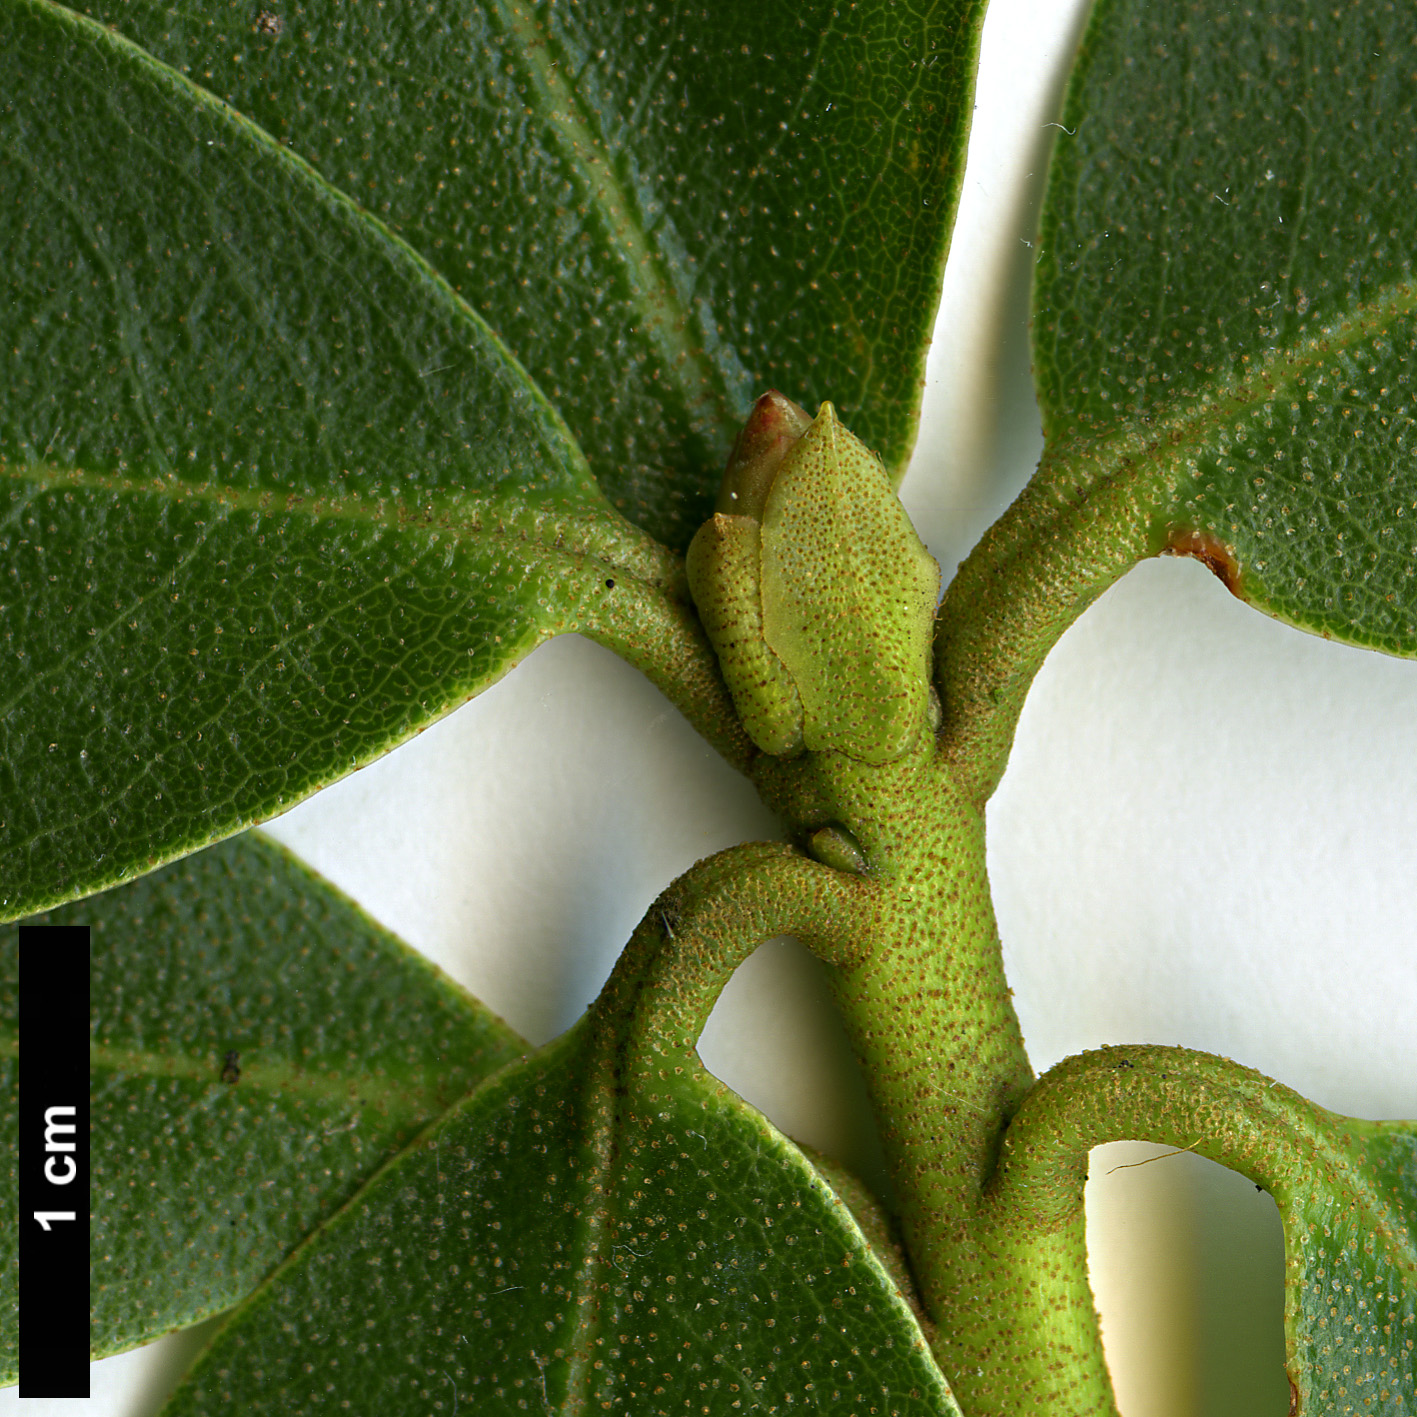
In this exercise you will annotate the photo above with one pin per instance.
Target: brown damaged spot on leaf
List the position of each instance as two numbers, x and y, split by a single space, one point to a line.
1293 1397
1211 551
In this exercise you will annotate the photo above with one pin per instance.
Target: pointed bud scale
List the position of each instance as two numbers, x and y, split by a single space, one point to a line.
817 595
774 425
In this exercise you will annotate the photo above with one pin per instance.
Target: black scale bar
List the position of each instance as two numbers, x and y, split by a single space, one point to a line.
54 1161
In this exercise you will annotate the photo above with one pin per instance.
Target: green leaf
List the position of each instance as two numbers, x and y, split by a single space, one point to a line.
260 1048
663 212
1227 282
1224 333
273 496
545 1248
880 1228
1351 1260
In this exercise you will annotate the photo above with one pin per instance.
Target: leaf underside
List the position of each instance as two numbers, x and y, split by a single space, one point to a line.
542 1250
662 212
1351 1272
259 1049
273 497
10 1168
1224 305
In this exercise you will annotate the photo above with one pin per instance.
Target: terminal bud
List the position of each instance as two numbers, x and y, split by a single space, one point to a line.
815 591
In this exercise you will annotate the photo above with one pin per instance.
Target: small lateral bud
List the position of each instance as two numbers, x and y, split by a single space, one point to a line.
837 848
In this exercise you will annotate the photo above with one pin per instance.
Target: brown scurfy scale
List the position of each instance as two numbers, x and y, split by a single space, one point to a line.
1211 552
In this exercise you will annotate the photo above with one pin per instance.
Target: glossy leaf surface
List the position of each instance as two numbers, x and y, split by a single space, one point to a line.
662 210
1225 297
260 1048
273 496
545 1249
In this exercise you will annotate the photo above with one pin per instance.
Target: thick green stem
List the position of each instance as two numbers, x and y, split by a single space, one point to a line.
930 1016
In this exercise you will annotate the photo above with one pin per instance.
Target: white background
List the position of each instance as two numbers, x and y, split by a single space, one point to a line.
1206 837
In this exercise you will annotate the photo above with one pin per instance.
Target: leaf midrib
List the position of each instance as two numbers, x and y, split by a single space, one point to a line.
665 320
394 1101
463 524
664 317
462 517
1189 429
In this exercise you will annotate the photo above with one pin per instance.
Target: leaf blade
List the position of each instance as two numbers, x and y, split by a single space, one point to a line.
259 1049
206 443
627 152
1214 381
586 1297
1351 1261
1238 283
